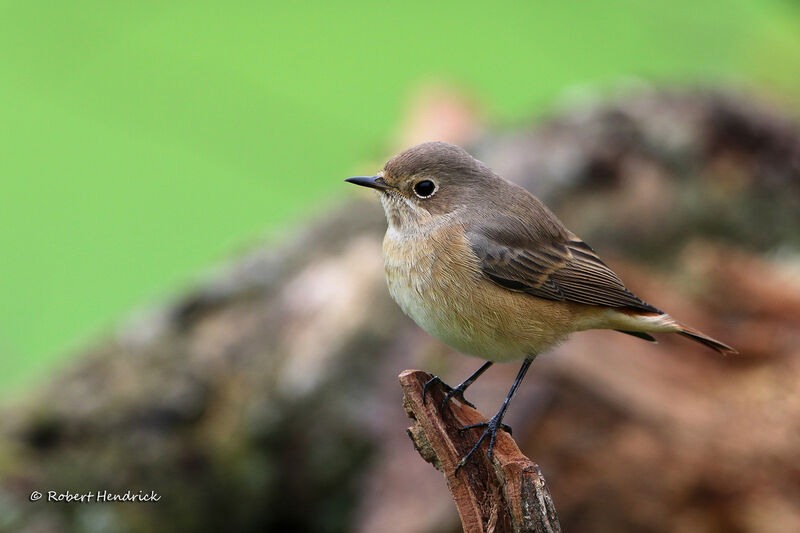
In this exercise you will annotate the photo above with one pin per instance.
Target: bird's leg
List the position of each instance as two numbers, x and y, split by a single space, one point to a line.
458 391
495 424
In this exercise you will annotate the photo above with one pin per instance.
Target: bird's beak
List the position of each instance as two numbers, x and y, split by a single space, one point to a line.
373 182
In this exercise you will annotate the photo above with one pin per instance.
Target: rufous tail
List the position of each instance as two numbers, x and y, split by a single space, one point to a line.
714 344
639 324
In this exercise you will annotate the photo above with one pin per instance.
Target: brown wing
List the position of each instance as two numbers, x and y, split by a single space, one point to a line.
556 269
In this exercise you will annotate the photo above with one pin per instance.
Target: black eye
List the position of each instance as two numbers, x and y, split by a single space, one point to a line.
424 188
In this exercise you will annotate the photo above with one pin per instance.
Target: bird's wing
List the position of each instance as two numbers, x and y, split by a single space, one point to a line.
562 269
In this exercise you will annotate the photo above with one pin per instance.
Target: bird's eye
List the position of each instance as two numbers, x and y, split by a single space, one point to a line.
425 188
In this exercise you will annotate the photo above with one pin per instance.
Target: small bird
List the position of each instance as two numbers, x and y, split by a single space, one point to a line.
484 266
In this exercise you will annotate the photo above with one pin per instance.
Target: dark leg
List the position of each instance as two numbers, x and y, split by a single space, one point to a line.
496 422
457 392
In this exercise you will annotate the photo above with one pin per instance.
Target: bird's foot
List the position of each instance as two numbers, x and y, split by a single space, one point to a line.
458 394
452 392
492 426
433 381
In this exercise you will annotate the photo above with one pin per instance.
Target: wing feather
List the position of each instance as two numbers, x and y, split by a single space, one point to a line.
565 269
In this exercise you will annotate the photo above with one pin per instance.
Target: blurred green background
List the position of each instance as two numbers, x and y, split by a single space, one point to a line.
143 141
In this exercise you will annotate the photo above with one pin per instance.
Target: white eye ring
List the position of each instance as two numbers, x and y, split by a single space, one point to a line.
425 188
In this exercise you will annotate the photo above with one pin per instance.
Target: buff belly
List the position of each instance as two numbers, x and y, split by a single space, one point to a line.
441 288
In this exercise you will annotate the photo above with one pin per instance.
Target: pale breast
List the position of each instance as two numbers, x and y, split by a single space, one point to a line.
419 275
435 279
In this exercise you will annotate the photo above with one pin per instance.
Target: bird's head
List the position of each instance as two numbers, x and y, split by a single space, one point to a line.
429 181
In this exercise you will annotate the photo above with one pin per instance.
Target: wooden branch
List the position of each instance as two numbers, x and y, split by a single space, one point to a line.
506 495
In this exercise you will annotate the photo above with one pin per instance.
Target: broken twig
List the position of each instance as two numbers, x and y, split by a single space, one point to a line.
508 494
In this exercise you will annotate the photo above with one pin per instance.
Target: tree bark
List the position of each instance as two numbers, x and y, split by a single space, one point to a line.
505 495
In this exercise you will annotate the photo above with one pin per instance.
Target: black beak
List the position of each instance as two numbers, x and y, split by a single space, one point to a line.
373 182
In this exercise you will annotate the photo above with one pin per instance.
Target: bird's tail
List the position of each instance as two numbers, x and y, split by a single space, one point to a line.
634 323
696 336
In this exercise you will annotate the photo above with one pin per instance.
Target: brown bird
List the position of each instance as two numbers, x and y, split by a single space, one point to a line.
484 266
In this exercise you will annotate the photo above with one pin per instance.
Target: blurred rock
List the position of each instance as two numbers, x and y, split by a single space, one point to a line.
266 398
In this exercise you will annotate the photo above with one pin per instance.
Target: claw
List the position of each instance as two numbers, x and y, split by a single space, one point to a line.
457 393
492 427
434 379
504 427
452 392
477 445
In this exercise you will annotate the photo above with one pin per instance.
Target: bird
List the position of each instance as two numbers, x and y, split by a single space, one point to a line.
484 266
